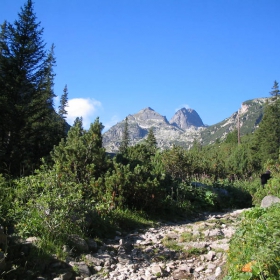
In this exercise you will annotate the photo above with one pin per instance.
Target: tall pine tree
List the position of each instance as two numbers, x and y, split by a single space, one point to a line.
62 112
275 91
63 103
28 123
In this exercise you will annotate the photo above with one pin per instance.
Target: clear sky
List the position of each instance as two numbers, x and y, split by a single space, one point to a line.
120 56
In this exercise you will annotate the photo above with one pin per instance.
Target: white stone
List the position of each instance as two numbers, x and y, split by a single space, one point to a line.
218 271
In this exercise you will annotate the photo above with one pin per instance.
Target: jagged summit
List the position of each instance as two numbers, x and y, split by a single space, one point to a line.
186 118
139 125
184 128
148 116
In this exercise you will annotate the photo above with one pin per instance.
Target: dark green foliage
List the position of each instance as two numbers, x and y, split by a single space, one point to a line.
29 125
151 141
125 138
267 137
232 137
174 163
81 157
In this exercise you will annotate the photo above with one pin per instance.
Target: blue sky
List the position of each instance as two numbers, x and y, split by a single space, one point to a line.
120 56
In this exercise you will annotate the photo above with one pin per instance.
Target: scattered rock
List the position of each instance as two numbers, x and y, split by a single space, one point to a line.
269 200
147 256
172 251
82 268
92 245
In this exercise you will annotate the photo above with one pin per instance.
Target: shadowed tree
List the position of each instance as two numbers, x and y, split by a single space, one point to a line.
28 125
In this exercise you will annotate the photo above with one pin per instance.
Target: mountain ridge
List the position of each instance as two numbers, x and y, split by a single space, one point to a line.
184 127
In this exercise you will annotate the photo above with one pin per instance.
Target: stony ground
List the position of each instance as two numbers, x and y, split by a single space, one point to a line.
186 250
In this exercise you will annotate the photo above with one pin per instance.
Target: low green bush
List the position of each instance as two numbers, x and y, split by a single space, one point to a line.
254 251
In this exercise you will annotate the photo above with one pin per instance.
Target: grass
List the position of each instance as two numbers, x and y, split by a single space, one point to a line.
171 244
195 252
186 237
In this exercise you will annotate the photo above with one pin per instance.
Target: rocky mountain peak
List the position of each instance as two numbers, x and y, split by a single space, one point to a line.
186 118
149 115
184 128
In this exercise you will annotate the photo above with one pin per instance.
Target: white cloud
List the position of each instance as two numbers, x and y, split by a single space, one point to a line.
182 106
82 107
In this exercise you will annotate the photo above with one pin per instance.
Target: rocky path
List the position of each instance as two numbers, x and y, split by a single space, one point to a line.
189 250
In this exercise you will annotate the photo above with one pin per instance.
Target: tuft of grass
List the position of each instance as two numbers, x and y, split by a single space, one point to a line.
195 252
172 244
186 237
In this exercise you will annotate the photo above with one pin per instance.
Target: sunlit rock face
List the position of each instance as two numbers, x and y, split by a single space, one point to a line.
186 118
139 124
184 127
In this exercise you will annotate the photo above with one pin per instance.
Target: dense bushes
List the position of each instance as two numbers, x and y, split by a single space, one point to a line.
82 181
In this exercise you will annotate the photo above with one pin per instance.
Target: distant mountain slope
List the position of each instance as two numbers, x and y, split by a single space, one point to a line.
184 127
250 115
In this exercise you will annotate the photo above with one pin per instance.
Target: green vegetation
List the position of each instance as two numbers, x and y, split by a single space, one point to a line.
255 248
172 244
56 182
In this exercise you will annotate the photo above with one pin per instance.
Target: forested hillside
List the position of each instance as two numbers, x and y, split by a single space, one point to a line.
56 184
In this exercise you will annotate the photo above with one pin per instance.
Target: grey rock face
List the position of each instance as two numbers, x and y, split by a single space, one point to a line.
149 115
269 200
186 118
184 127
139 124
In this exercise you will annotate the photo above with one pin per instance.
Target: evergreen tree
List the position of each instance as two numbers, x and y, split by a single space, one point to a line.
5 105
81 157
275 91
63 103
62 112
28 124
151 141
125 138
267 137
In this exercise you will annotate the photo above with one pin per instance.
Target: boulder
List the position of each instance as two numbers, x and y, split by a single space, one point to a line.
79 243
269 200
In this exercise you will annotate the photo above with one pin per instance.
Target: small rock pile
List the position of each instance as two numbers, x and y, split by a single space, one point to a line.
189 250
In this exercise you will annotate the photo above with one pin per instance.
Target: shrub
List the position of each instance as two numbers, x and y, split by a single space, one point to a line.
255 248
